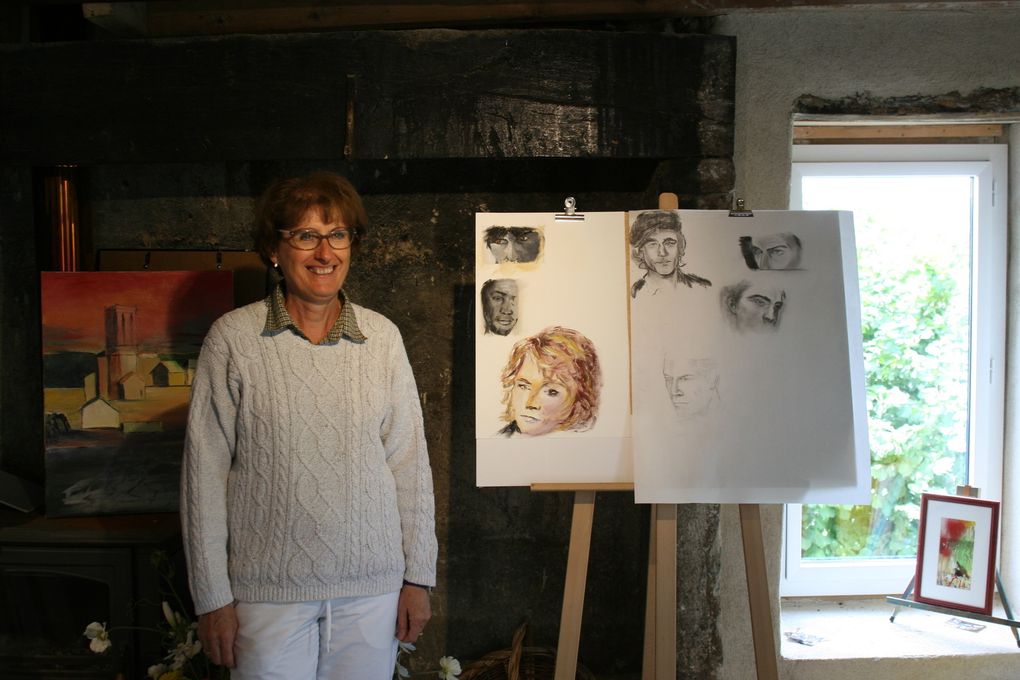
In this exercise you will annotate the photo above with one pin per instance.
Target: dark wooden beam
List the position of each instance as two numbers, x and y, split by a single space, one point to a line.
205 17
427 94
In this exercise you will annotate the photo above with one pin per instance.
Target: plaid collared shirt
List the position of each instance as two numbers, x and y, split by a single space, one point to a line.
278 319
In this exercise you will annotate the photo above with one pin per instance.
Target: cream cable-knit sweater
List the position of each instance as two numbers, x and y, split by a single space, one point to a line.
305 474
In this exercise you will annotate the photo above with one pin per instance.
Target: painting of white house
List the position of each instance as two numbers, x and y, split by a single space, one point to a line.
119 350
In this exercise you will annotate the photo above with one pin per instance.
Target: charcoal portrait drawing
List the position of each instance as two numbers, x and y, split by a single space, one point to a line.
551 383
513 244
773 251
753 306
499 305
692 385
658 246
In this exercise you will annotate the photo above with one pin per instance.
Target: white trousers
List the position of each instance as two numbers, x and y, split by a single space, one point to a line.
349 638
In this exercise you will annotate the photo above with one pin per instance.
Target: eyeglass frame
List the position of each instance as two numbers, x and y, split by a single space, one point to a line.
289 234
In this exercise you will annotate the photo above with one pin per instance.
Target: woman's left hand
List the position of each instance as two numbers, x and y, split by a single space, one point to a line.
413 612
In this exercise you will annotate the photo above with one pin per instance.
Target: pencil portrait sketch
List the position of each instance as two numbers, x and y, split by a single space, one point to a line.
658 245
753 307
692 385
551 383
774 251
513 244
499 305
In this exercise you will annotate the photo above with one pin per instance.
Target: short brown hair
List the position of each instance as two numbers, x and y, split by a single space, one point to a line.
285 203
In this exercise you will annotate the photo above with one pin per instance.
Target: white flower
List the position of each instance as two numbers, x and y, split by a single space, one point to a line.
168 613
155 671
99 637
449 668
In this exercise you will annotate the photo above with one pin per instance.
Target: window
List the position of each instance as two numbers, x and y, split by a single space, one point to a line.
930 227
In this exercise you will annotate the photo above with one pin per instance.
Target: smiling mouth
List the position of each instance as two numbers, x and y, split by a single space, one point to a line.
322 270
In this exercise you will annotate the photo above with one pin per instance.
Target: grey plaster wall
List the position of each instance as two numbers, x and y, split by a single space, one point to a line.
781 56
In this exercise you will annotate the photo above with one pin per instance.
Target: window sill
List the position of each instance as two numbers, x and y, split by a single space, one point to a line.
860 629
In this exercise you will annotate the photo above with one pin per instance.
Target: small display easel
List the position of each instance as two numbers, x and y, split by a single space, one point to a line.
659 658
906 600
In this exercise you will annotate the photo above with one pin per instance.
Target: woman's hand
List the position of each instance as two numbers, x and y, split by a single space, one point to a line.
217 630
413 612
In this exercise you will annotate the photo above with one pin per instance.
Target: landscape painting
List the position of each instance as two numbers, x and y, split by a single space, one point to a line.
119 355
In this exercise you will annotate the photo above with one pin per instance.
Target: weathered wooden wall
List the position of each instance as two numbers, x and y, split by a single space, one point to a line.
174 140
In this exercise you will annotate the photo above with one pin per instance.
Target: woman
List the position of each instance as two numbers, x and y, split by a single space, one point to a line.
551 383
306 493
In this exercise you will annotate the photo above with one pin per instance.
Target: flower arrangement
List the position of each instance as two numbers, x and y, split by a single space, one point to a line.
449 667
184 658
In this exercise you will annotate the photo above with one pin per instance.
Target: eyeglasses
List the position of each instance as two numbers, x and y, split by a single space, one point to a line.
309 239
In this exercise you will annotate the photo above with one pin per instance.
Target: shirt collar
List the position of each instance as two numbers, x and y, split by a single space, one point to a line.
278 319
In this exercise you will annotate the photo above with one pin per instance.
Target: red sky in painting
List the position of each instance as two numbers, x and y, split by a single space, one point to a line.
173 309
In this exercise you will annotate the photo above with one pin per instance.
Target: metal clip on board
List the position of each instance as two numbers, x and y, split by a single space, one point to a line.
741 210
569 213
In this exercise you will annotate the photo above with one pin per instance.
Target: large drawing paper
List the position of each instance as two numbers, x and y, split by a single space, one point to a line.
538 273
747 368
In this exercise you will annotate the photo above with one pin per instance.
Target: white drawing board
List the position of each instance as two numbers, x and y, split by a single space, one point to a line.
548 274
748 379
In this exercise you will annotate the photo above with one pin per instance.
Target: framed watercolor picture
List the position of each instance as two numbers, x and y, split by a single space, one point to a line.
956 552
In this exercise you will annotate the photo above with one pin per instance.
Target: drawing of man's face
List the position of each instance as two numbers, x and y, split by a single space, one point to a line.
499 305
538 405
691 384
776 251
661 251
758 307
513 244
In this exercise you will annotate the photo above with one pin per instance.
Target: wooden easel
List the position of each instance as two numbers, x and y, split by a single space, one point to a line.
659 658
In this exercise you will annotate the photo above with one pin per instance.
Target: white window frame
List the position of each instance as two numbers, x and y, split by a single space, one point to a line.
988 164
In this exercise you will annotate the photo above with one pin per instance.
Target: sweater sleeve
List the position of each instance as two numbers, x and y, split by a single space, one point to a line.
407 456
208 450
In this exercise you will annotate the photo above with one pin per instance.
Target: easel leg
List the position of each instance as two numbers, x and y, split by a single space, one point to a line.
758 593
906 593
1005 606
665 591
648 656
573 590
659 660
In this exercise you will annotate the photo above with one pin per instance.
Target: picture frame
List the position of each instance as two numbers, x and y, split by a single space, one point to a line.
956 552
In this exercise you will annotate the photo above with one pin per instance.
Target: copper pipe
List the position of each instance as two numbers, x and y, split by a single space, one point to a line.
61 201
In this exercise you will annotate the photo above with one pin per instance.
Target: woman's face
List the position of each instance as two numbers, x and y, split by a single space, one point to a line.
538 405
313 276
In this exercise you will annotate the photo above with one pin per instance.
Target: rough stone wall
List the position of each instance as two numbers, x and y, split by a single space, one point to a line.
502 550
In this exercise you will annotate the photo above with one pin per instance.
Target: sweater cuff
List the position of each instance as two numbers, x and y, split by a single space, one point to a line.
418 585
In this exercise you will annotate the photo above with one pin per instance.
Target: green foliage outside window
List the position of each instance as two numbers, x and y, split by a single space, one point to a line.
915 323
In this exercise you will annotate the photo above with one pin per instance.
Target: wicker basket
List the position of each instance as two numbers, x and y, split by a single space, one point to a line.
519 663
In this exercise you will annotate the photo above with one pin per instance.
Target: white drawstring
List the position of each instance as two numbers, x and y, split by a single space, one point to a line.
329 626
